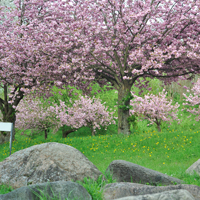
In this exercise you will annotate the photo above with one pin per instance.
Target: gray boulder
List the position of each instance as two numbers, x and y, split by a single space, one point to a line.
60 190
168 195
119 190
46 162
124 171
195 167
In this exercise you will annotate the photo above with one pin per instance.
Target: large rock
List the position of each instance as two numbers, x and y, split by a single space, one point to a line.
119 190
60 190
168 195
46 162
124 171
195 167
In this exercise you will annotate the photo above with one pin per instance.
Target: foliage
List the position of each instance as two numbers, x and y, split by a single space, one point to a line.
95 188
143 86
4 189
133 120
107 94
41 194
67 94
122 104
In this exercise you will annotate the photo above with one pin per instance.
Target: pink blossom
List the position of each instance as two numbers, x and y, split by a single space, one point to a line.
193 99
85 112
33 114
155 108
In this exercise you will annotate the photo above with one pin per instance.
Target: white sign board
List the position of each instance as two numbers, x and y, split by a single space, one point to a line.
7 126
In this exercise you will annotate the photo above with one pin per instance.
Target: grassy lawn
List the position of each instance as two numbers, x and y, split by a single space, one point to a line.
170 152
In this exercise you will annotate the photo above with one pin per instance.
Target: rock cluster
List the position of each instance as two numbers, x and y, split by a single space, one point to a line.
47 170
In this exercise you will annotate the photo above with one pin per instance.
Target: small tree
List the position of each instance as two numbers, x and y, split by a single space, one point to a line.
194 100
155 108
33 114
86 111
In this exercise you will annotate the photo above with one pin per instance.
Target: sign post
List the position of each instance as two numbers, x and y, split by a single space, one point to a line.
7 126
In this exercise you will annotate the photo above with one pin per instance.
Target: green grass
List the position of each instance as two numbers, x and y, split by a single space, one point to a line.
170 152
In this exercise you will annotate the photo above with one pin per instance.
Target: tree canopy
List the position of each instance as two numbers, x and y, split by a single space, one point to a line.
114 41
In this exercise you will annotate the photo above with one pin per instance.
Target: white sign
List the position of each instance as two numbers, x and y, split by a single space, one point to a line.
7 126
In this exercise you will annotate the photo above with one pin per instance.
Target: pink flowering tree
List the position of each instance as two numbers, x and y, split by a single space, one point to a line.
120 41
155 108
35 115
85 112
112 41
30 64
193 100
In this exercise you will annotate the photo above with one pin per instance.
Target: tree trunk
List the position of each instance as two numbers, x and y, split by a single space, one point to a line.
7 117
45 134
8 111
92 130
123 112
158 123
159 129
66 133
